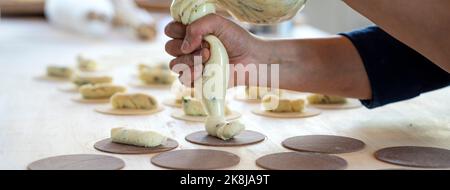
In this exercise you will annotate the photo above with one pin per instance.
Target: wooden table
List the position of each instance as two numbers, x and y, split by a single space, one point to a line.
37 120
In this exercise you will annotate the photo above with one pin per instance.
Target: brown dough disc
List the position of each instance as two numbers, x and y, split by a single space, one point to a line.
244 138
414 156
78 162
171 103
195 159
106 145
179 114
305 114
111 111
350 104
80 99
323 144
301 161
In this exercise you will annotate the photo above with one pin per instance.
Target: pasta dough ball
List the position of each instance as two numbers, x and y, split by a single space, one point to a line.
86 64
100 91
325 99
137 137
59 72
83 80
273 103
253 92
194 107
133 101
159 74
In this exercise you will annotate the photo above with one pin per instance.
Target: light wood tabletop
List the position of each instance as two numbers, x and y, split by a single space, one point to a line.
37 120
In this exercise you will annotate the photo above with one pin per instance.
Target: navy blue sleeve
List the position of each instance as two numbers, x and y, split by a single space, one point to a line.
396 72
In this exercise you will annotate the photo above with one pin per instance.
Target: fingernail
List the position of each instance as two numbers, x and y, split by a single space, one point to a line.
184 46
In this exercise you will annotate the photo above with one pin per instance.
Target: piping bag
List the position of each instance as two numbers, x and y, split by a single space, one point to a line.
215 76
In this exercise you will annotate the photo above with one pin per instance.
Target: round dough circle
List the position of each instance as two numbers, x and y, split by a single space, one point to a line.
179 114
78 162
171 103
80 99
305 114
106 145
51 79
350 104
196 159
327 144
244 138
301 161
71 88
415 156
111 111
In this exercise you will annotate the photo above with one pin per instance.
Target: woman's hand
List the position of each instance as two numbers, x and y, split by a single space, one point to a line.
188 42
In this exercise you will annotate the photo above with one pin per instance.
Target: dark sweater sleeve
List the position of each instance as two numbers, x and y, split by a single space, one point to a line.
396 72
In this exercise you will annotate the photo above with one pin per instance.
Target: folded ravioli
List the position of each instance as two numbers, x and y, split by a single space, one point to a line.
273 103
59 72
194 107
325 99
137 137
159 74
133 101
85 64
83 80
100 91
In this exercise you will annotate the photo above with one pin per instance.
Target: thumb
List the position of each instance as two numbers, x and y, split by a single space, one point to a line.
210 24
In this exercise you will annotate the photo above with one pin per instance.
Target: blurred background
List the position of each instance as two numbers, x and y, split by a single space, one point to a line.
330 16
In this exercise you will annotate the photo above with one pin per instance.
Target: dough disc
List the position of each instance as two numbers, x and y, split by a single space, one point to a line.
78 162
244 138
179 114
301 161
306 113
106 145
111 111
323 144
80 99
350 104
414 156
171 103
196 159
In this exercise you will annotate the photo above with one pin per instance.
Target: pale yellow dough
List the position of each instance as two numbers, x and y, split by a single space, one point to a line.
100 91
273 103
85 64
194 107
59 72
159 74
257 93
136 101
83 80
137 137
325 99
